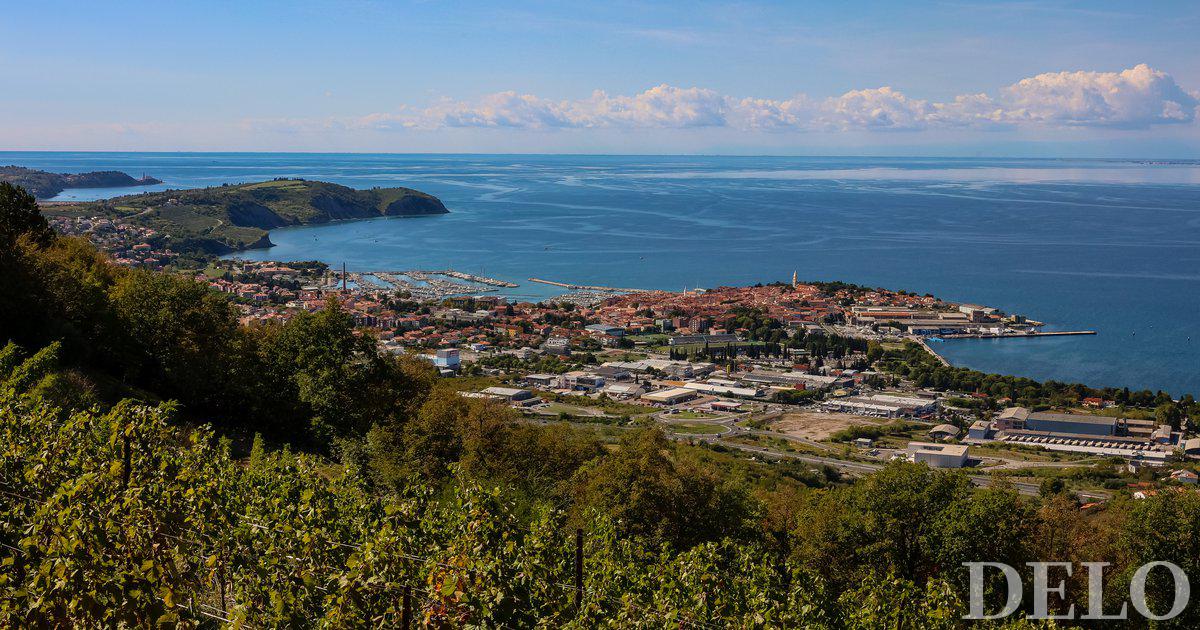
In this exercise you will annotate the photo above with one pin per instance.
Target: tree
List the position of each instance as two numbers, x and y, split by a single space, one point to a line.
1051 486
648 489
177 336
1170 414
1163 528
20 216
326 374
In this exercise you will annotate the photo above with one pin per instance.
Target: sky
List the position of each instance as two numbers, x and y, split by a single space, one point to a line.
955 78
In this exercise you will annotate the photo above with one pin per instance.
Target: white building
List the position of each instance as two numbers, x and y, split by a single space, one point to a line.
545 381
880 405
624 390
672 396
446 358
722 389
508 393
938 455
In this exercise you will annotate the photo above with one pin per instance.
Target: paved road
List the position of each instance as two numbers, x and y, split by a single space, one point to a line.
1026 488
983 481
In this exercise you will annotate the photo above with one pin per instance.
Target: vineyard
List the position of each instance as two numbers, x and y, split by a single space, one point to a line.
118 519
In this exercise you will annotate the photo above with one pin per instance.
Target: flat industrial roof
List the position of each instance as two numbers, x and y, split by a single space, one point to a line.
503 391
664 394
1071 417
941 449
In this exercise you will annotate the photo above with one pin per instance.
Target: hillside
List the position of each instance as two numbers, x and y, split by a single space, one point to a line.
229 218
378 496
44 184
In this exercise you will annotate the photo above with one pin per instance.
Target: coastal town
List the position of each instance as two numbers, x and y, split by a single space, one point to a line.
635 315
787 370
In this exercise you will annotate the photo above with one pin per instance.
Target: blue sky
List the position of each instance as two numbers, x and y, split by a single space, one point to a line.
965 78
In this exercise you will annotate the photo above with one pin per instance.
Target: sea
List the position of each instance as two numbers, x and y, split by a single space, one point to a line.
1106 245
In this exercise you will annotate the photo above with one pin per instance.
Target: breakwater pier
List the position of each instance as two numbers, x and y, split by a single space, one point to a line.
1018 334
476 279
584 287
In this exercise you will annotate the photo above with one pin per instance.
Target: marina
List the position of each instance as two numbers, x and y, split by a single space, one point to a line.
418 284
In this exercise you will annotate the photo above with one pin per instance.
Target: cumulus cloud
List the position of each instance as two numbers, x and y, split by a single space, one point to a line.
1135 98
877 109
663 106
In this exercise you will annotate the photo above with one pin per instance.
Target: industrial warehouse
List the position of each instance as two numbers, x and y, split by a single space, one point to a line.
1080 433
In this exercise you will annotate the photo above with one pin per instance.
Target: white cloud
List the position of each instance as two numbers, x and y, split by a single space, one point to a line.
882 109
663 106
1135 98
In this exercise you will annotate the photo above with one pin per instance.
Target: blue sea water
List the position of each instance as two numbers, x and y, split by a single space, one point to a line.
1105 245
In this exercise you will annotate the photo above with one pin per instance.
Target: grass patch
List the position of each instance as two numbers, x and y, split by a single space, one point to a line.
874 431
777 444
694 428
691 415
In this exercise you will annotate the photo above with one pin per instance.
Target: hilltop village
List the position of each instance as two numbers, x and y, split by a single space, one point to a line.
808 371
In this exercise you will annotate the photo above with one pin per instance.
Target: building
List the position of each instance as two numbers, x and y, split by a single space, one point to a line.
723 389
612 373
1011 418
624 390
936 327
676 369
579 379
557 345
981 430
1071 423
976 312
672 396
1104 445
1141 440
881 405
944 432
446 358
938 455
1185 476
605 329
793 379
510 394
544 381
686 340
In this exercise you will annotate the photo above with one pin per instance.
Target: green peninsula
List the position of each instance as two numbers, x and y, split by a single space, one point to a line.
229 218
44 184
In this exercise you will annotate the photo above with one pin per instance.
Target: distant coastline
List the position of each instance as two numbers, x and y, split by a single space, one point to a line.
44 184
220 220
1048 237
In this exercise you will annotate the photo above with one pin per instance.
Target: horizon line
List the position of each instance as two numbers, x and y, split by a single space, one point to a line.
586 154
